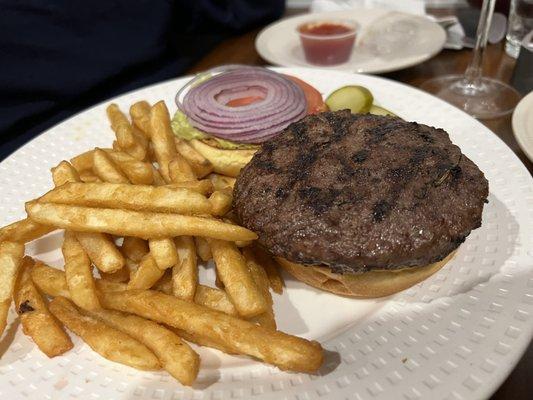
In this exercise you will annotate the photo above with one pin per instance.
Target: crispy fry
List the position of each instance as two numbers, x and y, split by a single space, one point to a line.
10 261
221 182
78 272
180 170
133 143
37 322
146 275
271 268
237 280
106 169
137 172
202 249
52 281
225 162
203 186
199 164
164 252
140 116
274 347
109 342
64 172
101 251
134 248
24 231
185 272
120 276
83 161
200 340
261 280
88 176
158 179
164 284
133 223
176 356
130 197
214 299
220 202
162 138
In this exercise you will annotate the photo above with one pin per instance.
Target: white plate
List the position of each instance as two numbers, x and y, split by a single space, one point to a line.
455 336
412 40
523 125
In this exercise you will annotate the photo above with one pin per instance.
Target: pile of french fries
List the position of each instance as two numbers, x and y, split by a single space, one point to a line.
137 220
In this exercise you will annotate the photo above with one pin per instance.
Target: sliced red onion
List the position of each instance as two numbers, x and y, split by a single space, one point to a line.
282 103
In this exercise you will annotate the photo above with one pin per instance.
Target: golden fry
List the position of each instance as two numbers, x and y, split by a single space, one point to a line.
185 272
176 356
164 284
271 268
109 342
238 282
106 169
180 170
214 299
220 202
133 223
285 351
140 116
120 276
130 197
162 138
203 186
201 340
202 249
78 272
199 164
137 172
24 231
146 275
64 172
88 176
134 248
221 182
164 252
37 322
101 250
10 261
225 162
128 139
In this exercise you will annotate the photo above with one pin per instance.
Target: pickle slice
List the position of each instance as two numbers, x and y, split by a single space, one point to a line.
377 110
357 99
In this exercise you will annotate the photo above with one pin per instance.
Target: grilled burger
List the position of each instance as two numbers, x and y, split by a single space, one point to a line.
360 205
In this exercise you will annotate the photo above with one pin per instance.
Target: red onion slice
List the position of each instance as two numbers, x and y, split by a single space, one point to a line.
280 103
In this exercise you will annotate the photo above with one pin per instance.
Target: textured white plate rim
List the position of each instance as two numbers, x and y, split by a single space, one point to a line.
518 346
274 59
519 121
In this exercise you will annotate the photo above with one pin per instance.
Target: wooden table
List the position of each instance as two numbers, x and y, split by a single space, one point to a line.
241 50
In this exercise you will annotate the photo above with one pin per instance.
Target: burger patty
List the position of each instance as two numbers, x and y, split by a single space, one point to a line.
360 192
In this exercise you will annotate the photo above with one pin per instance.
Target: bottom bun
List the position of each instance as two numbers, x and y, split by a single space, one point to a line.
367 284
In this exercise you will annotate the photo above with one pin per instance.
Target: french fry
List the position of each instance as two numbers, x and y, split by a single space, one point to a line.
63 173
24 231
83 161
37 322
221 182
132 267
220 202
132 142
185 272
130 197
106 169
180 170
225 162
176 356
101 250
162 138
271 268
109 342
214 299
89 176
203 186
164 284
134 248
164 252
11 254
146 275
158 179
140 116
261 280
199 164
137 172
238 282
133 223
280 349
52 281
202 249
201 340
79 274
120 276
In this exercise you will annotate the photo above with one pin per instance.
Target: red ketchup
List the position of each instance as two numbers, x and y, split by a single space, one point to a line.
327 43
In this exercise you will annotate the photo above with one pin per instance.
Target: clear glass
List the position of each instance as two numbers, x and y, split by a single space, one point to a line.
519 25
479 96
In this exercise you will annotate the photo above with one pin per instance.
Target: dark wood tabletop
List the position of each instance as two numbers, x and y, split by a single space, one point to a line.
241 50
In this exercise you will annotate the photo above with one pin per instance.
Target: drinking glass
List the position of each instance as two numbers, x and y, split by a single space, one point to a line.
479 96
519 25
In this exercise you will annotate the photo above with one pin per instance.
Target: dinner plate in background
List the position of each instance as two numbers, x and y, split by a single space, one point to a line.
457 335
387 40
523 125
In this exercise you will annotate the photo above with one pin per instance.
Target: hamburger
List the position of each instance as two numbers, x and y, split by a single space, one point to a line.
360 205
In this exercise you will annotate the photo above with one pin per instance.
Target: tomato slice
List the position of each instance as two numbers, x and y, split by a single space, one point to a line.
243 101
315 103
